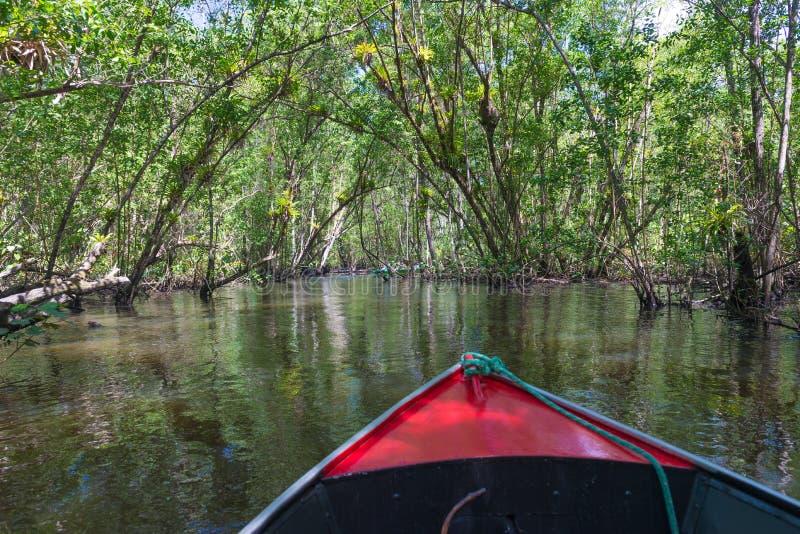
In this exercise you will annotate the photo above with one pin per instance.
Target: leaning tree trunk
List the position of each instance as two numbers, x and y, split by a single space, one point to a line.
60 290
98 151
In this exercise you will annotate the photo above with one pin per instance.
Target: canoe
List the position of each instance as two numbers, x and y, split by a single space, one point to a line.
477 450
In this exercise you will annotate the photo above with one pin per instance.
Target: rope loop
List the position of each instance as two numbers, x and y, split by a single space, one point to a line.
475 364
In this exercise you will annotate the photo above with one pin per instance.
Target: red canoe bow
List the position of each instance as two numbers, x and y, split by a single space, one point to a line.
484 454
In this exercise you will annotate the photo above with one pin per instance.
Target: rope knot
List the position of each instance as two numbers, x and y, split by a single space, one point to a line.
474 364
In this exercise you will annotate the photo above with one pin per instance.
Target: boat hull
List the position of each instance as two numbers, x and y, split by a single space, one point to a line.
463 454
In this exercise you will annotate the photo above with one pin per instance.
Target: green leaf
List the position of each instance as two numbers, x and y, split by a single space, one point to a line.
48 307
54 309
34 331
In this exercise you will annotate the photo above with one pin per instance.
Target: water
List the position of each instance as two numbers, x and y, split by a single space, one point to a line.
182 416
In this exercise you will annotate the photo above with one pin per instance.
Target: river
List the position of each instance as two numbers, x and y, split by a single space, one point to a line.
180 416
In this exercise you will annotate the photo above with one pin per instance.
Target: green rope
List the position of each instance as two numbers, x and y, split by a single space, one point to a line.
479 364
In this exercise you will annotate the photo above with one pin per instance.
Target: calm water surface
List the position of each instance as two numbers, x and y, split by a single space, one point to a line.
186 417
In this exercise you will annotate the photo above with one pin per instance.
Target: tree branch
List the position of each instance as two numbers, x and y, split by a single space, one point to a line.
69 87
243 271
17 267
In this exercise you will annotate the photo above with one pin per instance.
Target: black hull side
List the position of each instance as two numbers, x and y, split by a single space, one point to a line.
542 495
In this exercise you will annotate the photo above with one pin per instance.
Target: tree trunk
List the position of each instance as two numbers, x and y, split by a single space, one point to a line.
760 228
774 209
744 291
205 289
756 104
429 237
378 232
334 234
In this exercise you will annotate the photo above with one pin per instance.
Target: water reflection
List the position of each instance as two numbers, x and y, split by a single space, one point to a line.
183 416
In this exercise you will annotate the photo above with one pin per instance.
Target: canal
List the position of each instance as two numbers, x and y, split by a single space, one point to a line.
181 416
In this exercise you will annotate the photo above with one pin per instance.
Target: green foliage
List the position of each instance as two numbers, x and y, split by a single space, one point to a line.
425 54
26 323
285 206
272 140
721 218
364 52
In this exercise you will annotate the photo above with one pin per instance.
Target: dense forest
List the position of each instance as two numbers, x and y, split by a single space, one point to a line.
157 144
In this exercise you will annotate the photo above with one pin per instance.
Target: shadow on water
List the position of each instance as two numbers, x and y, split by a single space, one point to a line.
189 416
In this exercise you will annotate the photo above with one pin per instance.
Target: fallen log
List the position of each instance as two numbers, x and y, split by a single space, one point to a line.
69 286
21 312
76 284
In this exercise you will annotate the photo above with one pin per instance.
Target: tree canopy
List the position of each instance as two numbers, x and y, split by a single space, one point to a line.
206 141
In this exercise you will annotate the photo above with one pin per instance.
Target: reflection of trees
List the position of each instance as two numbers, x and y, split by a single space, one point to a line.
175 411
762 427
